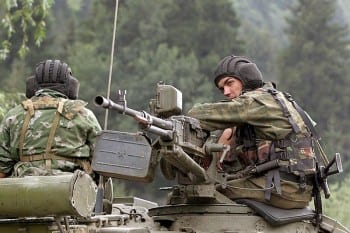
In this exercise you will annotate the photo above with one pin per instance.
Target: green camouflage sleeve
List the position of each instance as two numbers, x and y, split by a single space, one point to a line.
7 160
257 108
220 115
95 127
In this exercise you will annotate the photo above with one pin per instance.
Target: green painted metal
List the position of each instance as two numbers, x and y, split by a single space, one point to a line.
47 195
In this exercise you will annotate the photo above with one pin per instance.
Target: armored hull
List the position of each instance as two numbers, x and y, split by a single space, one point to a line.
135 215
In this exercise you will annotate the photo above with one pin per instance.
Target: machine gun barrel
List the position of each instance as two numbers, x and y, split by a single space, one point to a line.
150 123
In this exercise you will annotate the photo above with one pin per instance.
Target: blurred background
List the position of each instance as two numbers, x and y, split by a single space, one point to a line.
301 45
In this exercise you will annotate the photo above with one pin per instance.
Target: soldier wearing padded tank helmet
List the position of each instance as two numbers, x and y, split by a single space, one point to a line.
51 132
267 126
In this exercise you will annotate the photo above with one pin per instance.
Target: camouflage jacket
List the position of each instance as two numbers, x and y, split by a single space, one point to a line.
257 108
74 136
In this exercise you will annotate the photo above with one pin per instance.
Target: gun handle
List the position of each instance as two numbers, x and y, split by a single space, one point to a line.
325 188
339 167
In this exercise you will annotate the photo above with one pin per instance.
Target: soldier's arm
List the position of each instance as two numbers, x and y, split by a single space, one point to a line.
222 115
7 158
94 127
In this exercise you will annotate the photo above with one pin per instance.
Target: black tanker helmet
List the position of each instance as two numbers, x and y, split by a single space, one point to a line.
54 75
241 68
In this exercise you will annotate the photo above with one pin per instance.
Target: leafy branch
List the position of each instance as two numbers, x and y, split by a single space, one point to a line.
22 17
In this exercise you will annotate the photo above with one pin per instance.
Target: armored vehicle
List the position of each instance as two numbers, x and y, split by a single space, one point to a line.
74 203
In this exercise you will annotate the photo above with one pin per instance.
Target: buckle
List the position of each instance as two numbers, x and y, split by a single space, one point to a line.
283 143
282 155
280 143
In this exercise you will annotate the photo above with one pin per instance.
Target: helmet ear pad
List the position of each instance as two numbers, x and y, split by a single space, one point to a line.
31 86
72 87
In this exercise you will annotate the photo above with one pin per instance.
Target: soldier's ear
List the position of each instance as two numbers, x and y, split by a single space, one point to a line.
72 87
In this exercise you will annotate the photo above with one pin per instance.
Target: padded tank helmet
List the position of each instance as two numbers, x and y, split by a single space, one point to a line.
241 68
54 75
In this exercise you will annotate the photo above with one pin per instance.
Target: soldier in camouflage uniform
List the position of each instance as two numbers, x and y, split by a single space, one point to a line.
51 132
269 130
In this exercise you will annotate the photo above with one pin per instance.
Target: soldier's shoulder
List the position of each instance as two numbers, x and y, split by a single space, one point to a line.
73 107
18 109
75 103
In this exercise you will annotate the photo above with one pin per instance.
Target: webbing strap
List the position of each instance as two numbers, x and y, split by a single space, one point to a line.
29 107
273 178
52 134
84 163
285 110
303 115
39 157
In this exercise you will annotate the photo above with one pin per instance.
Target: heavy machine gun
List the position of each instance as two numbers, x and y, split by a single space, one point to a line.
182 148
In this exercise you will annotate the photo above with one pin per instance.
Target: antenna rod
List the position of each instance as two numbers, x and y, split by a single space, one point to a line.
111 63
100 190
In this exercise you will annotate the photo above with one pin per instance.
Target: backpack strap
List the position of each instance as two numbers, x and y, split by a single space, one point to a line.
285 110
30 107
303 115
49 143
273 178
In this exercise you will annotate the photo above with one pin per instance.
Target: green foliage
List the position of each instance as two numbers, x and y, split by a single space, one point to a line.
262 29
336 205
314 67
29 16
208 29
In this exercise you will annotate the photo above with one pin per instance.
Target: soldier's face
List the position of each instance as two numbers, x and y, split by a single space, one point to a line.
230 87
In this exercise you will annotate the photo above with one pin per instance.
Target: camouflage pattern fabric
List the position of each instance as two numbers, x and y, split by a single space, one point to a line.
74 137
257 108
38 168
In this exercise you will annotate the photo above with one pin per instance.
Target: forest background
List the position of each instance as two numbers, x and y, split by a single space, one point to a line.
301 45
